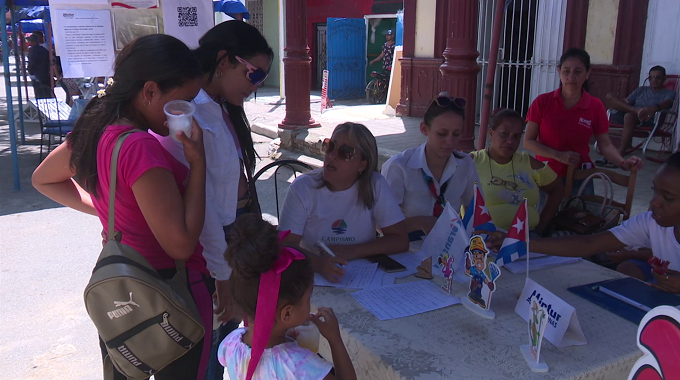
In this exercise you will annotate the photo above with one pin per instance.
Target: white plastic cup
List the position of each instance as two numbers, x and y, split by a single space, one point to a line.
308 336
180 114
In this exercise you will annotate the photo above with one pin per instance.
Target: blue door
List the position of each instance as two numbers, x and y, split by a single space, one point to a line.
346 50
400 29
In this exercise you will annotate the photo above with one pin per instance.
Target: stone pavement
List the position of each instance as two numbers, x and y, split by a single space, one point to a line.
393 134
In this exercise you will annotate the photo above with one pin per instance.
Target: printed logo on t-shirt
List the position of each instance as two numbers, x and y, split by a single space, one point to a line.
339 227
584 122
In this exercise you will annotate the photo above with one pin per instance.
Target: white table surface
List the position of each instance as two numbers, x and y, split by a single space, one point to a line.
453 343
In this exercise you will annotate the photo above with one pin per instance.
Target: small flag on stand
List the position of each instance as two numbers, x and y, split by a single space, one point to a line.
516 243
477 216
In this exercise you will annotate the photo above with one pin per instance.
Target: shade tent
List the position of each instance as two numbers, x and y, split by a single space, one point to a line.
30 26
231 8
32 13
37 9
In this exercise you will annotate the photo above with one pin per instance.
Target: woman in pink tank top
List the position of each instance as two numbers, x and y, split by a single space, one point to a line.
160 203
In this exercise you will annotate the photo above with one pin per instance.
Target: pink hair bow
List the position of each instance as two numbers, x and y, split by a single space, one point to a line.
267 301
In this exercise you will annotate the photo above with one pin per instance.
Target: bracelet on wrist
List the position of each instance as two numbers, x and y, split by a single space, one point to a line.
622 162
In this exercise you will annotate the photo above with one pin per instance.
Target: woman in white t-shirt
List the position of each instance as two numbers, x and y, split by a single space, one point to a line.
657 229
425 177
343 204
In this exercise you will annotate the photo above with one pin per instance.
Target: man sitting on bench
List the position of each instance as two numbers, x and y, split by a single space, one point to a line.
638 108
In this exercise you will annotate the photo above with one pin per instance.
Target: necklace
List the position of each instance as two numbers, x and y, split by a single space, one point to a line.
497 181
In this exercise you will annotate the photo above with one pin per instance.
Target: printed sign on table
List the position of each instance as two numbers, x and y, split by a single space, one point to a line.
563 328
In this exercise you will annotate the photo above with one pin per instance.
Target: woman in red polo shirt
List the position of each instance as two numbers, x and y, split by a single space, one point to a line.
560 123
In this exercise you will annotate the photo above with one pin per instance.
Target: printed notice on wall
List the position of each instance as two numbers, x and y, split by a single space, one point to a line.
85 42
187 20
135 4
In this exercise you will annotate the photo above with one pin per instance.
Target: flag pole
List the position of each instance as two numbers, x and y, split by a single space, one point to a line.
526 232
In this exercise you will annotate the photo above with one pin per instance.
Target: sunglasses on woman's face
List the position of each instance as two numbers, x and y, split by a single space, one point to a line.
255 74
345 152
447 101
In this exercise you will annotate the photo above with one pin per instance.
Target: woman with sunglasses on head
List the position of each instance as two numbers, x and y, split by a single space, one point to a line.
508 176
343 204
425 177
159 202
561 123
235 58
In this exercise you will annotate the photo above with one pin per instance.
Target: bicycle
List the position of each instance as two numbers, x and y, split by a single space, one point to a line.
376 89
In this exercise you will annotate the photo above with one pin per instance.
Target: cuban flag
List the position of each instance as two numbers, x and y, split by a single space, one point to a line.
517 240
477 216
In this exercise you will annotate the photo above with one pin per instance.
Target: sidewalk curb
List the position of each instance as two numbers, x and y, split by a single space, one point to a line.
265 130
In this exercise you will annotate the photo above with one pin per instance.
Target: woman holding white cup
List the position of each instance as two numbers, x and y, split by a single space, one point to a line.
180 114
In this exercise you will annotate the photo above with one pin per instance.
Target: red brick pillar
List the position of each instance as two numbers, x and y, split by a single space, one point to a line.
460 68
297 68
404 106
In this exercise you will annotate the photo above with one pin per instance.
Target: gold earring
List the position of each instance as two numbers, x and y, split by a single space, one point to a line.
147 102
218 74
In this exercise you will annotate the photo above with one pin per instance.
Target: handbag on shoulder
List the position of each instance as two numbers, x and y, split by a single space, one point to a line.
146 322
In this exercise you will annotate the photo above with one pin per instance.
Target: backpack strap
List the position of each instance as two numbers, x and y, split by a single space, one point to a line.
112 182
111 234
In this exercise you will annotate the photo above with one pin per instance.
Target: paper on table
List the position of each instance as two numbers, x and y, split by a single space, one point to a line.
520 266
403 300
380 278
532 255
358 275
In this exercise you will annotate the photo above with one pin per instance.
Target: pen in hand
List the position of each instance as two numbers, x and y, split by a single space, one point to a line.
323 246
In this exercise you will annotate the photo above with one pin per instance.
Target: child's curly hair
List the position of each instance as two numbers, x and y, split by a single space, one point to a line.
253 248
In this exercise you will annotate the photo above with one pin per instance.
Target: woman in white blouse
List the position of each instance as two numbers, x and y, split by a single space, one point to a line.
343 204
425 177
236 59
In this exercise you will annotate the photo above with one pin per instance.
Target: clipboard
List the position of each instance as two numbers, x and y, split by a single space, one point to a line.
592 293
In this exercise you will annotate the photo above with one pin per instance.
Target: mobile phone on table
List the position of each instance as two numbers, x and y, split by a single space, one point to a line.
386 263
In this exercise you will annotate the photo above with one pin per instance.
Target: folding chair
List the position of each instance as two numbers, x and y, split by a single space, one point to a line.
663 130
294 165
56 119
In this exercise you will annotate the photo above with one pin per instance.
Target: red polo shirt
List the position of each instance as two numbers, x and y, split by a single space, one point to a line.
567 129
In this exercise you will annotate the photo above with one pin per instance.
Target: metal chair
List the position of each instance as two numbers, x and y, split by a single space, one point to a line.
294 165
56 119
663 130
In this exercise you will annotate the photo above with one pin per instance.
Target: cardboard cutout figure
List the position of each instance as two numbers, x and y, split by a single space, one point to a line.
538 319
475 268
445 262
